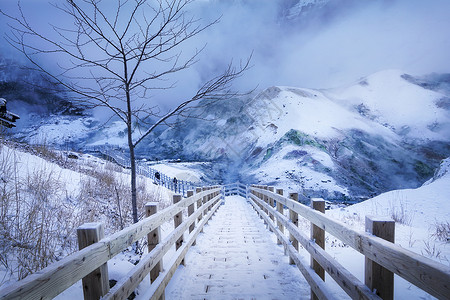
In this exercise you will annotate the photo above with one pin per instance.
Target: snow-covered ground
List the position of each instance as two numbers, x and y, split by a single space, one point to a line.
181 171
35 191
422 225
423 215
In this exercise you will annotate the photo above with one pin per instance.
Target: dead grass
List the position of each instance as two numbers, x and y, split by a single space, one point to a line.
442 231
36 226
38 218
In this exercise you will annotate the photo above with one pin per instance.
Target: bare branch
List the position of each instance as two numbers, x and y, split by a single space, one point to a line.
114 57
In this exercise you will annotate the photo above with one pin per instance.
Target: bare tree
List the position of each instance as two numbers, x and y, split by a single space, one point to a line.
116 54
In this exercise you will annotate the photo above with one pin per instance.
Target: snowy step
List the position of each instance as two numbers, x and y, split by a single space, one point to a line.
236 257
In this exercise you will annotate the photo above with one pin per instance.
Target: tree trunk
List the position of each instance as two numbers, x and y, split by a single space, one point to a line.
133 171
133 180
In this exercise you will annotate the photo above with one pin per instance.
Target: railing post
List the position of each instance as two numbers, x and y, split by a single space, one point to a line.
205 199
210 196
177 220
318 235
280 210
271 201
182 186
191 209
199 204
265 199
293 216
96 283
378 278
154 238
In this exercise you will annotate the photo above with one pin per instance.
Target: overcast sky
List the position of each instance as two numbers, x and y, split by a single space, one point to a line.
333 47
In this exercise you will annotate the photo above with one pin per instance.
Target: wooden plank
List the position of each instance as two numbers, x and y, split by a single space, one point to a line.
429 275
191 209
199 201
270 200
379 279
279 206
346 280
293 217
177 220
205 198
54 279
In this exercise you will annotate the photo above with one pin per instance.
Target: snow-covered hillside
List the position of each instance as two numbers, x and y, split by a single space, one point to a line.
387 131
46 195
422 218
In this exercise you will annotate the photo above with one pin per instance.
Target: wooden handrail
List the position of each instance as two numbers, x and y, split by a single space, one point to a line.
57 277
429 275
315 282
349 283
426 274
161 282
128 283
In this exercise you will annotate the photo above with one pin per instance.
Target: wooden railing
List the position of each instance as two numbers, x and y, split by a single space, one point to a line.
383 257
89 263
236 188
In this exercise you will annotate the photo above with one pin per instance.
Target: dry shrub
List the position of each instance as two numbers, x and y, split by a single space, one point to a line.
399 209
36 223
105 197
102 199
441 231
38 220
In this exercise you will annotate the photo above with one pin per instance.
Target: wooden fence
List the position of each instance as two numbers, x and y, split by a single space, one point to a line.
89 264
236 188
383 257
280 213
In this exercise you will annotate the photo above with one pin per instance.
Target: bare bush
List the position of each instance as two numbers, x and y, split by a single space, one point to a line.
441 231
431 250
36 226
398 210
105 195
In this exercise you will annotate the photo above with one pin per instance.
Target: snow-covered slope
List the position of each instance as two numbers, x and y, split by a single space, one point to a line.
422 225
422 207
386 131
407 109
383 132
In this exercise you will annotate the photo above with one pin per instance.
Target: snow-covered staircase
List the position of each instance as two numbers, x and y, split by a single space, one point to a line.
237 257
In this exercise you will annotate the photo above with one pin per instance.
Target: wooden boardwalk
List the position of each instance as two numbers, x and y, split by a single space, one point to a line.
237 258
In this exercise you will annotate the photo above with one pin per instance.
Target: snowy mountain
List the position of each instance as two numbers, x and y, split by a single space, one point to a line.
387 131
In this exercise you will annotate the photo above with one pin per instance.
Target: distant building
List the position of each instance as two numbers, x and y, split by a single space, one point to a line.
7 118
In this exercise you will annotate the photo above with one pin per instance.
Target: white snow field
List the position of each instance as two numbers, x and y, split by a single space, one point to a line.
237 258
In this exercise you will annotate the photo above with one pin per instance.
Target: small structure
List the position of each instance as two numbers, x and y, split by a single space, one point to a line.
7 118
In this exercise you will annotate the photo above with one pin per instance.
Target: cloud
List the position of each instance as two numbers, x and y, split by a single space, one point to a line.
334 44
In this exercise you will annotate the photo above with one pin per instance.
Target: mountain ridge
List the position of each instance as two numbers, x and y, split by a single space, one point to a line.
386 131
